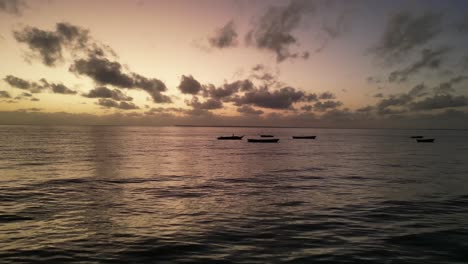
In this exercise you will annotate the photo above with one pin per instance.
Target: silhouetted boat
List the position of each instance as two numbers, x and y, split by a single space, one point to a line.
425 140
230 137
416 137
304 137
263 140
266 136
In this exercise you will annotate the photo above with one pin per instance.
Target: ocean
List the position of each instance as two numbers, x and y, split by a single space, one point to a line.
109 194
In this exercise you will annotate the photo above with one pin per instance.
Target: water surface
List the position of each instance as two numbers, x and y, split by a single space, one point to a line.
178 195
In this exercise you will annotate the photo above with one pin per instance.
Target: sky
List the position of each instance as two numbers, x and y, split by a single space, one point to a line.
302 63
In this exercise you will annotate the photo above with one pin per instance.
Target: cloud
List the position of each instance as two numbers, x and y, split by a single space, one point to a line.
19 83
267 76
57 88
188 85
336 20
430 59
109 103
4 94
439 102
462 26
224 37
405 32
274 30
209 104
283 98
447 87
248 110
104 92
50 45
34 87
406 102
383 106
14 7
327 105
418 91
327 95
373 79
164 110
32 109
228 89
106 72
333 119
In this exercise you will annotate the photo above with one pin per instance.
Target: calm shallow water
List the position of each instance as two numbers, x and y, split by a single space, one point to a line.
177 195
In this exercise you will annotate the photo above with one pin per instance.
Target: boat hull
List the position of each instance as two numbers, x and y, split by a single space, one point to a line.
231 138
304 137
427 140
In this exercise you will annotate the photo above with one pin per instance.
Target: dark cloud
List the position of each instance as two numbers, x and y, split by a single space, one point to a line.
378 95
327 105
264 74
311 97
430 59
5 94
447 87
258 67
462 26
401 103
32 109
439 102
62 89
418 91
373 79
339 118
248 110
326 96
34 87
26 95
109 103
405 32
14 7
228 89
106 72
224 37
188 85
19 83
209 104
335 22
165 110
50 45
104 92
274 30
366 109
384 106
307 108
283 98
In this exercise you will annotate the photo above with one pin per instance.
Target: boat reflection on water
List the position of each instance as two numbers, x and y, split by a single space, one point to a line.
263 140
304 137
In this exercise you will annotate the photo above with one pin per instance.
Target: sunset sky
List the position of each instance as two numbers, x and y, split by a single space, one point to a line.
353 63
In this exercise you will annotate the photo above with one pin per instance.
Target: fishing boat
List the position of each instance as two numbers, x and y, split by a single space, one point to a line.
425 140
264 136
263 140
230 137
416 137
304 137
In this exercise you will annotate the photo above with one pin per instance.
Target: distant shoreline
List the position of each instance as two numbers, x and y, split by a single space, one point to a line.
229 126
